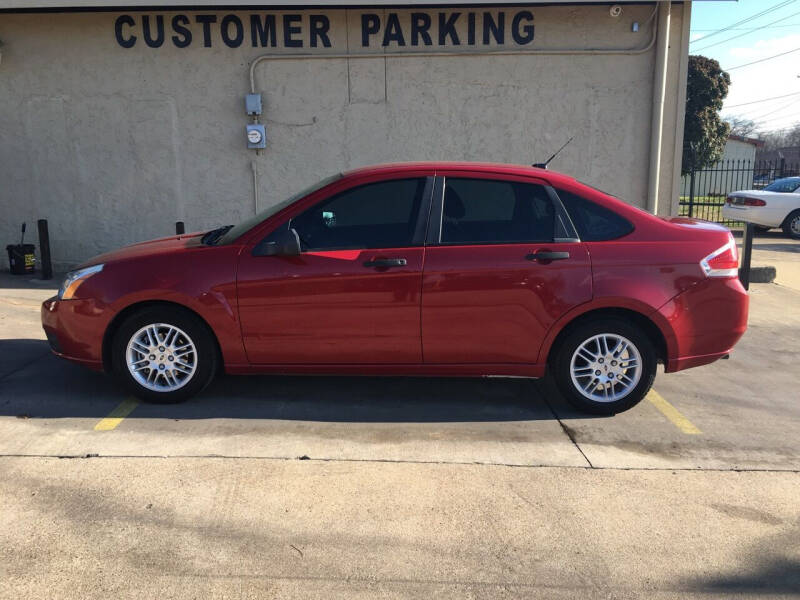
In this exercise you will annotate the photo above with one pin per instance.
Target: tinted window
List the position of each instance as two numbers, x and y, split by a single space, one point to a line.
593 222
483 211
378 215
783 185
247 225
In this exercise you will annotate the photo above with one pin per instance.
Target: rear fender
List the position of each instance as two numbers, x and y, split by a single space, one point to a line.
611 303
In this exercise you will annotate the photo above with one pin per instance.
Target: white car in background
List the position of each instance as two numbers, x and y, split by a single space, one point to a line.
777 205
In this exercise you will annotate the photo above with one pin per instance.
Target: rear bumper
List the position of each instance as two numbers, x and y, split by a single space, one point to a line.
751 214
74 329
706 321
687 362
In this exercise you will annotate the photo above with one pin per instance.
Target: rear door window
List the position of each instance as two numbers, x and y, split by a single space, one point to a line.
593 222
488 211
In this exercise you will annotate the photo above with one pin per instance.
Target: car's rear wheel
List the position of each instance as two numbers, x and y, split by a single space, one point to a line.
605 366
164 354
791 226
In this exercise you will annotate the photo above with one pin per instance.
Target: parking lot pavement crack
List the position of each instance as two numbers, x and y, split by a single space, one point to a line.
568 433
589 465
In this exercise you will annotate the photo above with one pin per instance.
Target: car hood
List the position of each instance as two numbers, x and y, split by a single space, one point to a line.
163 246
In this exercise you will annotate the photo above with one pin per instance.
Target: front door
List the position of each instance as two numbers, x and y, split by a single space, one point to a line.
353 295
502 269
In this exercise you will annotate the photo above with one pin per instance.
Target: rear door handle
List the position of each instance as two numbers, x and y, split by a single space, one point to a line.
386 262
541 255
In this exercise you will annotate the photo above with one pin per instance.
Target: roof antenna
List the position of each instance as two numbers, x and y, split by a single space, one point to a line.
556 153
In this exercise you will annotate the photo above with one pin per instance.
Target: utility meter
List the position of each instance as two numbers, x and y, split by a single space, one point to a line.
256 136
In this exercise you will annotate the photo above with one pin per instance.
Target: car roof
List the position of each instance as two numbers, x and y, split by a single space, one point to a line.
792 178
481 167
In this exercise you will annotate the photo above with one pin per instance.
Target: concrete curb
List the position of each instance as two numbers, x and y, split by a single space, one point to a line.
762 274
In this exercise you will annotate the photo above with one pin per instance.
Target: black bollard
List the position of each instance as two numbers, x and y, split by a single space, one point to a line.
44 250
180 228
747 251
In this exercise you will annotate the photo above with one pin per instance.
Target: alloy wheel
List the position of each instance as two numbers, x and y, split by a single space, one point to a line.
161 357
606 367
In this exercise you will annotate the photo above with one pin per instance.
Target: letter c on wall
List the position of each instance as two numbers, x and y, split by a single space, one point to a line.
122 41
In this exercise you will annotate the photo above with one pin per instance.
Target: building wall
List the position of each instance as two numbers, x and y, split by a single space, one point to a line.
113 144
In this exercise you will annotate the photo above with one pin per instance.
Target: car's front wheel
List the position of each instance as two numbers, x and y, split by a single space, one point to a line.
164 354
791 226
605 366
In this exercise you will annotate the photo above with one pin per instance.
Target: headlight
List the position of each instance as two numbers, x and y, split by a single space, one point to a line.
74 279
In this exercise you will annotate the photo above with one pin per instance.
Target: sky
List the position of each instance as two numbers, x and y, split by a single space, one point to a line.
754 88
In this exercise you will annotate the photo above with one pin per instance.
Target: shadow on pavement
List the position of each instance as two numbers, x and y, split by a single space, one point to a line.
17 354
30 281
43 386
770 573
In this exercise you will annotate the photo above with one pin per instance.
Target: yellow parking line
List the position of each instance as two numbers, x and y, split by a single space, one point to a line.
672 413
116 416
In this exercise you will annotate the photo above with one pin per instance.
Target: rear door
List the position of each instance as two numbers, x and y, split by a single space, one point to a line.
502 264
353 294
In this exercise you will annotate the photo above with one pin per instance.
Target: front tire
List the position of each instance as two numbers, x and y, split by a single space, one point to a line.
605 366
164 355
791 226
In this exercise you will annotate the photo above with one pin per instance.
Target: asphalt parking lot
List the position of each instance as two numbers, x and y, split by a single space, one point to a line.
363 487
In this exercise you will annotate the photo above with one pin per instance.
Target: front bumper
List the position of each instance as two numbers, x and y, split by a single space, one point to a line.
74 329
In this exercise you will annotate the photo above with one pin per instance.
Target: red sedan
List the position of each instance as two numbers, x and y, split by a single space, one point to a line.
453 269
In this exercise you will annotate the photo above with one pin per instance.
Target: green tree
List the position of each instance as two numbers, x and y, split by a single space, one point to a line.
704 131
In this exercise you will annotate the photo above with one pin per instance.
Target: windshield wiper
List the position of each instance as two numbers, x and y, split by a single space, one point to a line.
212 237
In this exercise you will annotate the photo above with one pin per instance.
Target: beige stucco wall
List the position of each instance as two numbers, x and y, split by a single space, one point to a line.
113 145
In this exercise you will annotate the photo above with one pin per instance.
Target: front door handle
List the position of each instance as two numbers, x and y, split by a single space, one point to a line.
386 262
541 255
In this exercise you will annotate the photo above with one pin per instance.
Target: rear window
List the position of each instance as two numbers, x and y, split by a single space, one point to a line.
787 186
593 222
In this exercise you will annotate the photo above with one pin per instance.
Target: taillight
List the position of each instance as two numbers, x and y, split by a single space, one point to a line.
723 262
742 201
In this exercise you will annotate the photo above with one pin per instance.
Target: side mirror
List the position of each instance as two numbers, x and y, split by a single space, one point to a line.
285 243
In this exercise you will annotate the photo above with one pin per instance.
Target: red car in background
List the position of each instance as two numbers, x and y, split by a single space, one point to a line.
452 269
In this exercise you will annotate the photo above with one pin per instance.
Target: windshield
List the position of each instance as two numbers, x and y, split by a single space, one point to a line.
784 185
237 230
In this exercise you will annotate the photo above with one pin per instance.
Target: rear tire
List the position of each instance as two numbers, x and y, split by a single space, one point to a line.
791 225
604 366
164 354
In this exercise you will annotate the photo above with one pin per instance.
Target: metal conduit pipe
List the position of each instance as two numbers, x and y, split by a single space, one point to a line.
540 52
659 92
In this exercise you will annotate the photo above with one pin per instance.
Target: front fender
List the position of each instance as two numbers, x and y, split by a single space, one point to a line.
202 280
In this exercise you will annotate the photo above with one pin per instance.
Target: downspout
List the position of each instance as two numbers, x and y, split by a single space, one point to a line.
659 92
680 107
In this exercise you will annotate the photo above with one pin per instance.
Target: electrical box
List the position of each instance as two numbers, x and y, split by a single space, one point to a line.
256 136
252 104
